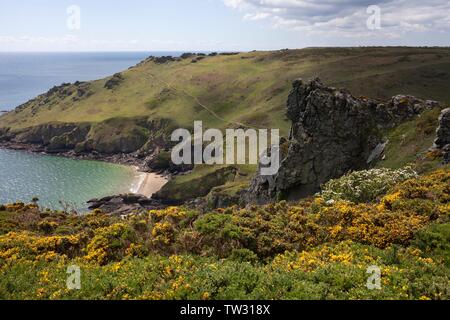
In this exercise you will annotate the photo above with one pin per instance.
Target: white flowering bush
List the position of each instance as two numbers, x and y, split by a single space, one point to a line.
366 185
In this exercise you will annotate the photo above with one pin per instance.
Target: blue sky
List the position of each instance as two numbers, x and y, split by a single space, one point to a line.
151 25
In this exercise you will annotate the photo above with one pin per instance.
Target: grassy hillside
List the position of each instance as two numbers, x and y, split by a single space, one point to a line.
248 88
409 143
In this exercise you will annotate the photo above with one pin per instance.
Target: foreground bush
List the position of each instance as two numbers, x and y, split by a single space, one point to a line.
311 249
326 272
365 186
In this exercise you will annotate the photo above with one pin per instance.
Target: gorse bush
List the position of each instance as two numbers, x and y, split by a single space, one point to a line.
313 249
365 186
330 271
110 243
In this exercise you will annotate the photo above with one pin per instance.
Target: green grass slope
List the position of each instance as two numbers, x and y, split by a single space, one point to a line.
410 142
248 88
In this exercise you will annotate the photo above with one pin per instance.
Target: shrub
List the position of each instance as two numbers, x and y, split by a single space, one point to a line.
306 250
47 226
435 239
243 255
163 233
365 186
30 246
110 243
219 232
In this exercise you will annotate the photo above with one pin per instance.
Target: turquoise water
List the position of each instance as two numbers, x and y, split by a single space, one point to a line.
54 179
25 175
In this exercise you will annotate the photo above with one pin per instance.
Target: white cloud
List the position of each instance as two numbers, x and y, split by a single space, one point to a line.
348 17
64 40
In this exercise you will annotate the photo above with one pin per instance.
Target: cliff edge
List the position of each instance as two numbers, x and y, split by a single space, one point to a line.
332 133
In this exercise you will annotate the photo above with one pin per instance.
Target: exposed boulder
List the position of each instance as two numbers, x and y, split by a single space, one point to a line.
83 90
4 134
61 90
125 204
332 133
187 55
442 141
163 59
197 59
401 107
114 81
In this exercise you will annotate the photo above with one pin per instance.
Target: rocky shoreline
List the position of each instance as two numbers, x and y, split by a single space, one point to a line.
125 204
123 159
119 204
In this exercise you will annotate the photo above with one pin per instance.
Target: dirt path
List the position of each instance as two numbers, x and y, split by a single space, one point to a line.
198 102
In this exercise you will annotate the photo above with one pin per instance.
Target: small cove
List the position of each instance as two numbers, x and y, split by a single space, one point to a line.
61 182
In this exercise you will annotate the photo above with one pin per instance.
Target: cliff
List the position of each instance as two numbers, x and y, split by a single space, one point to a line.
332 133
128 117
442 142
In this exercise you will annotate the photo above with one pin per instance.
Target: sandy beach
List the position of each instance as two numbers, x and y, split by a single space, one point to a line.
149 183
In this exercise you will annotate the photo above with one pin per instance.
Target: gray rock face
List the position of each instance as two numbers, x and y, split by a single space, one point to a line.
332 133
443 135
114 82
55 136
125 204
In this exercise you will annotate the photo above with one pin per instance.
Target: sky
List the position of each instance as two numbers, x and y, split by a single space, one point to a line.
219 25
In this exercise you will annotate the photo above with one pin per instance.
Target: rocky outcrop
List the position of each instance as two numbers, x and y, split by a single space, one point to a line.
118 135
76 92
4 134
55 137
114 81
159 60
197 59
442 141
332 133
187 55
134 141
125 204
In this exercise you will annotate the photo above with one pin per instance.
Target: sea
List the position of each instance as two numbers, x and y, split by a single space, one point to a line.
59 183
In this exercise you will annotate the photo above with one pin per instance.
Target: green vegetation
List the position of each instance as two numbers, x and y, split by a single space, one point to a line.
198 183
212 181
306 250
365 186
117 135
249 88
409 143
243 90
312 249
